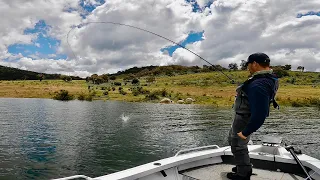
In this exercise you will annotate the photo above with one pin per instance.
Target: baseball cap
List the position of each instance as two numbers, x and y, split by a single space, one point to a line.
259 58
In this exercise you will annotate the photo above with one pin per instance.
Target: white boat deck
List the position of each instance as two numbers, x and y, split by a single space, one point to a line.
216 172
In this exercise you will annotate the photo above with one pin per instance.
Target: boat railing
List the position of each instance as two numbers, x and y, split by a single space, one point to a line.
186 151
75 177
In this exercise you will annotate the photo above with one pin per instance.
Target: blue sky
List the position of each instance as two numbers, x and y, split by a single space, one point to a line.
89 7
192 37
196 7
42 47
310 13
45 46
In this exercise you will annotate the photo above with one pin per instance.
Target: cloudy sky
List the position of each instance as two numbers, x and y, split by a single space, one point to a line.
33 33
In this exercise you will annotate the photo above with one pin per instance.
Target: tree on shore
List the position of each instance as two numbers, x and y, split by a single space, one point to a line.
88 79
105 77
66 78
287 67
233 66
300 68
94 78
41 77
243 65
113 78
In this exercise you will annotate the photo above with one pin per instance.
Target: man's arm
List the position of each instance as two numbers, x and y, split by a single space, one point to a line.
259 101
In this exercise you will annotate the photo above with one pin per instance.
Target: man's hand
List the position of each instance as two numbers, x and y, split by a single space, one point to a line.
241 136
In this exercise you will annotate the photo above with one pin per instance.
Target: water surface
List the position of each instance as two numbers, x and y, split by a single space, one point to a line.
43 138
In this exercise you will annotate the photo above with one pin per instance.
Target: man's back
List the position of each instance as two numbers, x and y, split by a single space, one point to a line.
260 93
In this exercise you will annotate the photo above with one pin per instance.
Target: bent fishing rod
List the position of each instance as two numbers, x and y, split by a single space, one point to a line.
141 29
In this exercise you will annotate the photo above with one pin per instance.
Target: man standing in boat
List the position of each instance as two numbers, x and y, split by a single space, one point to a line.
252 106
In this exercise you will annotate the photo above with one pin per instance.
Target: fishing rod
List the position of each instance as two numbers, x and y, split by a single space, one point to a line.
141 29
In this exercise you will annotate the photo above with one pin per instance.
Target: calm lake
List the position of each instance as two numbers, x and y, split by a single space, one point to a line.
43 138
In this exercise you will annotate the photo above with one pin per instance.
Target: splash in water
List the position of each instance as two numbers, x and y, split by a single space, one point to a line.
124 117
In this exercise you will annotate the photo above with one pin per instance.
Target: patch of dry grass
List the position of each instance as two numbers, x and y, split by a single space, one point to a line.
37 89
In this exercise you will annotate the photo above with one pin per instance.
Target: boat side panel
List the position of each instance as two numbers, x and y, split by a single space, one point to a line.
168 163
169 174
209 161
270 165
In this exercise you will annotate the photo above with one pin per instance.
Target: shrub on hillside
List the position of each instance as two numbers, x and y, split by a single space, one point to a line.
297 104
122 92
306 102
164 93
139 90
81 97
85 97
291 81
135 92
280 72
151 79
135 81
314 101
89 97
63 95
152 96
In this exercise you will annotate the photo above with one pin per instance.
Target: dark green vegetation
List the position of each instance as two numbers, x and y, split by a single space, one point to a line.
8 73
63 95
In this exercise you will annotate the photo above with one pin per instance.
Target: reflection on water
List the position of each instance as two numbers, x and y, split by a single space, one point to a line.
43 138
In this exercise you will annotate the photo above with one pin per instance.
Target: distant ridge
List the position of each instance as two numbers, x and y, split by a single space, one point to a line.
9 73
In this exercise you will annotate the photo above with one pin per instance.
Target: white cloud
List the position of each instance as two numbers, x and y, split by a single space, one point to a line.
52 55
18 15
233 30
203 3
37 45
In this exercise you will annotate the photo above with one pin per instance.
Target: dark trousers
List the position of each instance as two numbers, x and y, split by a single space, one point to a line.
239 146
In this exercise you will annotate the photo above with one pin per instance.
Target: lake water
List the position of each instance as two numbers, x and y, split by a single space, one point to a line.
43 138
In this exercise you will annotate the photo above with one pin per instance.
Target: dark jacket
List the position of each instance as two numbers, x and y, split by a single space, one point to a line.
253 99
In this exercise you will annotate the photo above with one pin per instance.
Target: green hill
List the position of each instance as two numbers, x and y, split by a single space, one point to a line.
9 73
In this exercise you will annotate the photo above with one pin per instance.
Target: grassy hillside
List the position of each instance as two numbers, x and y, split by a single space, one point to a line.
212 88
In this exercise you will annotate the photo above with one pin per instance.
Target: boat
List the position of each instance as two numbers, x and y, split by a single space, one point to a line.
270 160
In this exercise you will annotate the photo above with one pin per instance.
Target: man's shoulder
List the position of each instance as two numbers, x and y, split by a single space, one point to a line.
262 81
262 84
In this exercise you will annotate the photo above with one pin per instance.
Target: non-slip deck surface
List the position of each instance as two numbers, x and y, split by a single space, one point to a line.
216 172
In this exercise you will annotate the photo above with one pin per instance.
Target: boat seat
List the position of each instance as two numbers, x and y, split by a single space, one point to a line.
272 150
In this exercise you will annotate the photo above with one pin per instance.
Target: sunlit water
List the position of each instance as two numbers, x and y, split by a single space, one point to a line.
42 139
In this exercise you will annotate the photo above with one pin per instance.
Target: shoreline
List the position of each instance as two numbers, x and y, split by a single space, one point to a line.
204 88
286 105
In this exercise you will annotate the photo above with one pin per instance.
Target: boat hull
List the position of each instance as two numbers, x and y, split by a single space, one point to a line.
269 158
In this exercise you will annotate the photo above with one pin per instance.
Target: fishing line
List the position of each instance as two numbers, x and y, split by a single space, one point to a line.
141 29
